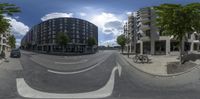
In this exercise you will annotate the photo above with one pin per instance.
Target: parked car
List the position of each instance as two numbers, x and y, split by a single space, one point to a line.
15 53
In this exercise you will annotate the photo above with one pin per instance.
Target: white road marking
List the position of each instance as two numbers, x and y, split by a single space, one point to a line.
75 72
25 90
79 62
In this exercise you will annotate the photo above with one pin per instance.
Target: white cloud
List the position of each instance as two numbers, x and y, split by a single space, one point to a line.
56 15
111 42
104 18
83 14
17 26
16 17
18 42
129 13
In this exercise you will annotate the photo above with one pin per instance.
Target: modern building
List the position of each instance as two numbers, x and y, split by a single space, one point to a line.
130 33
149 40
4 42
42 37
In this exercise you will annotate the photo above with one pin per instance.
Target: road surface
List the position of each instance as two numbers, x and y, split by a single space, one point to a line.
102 75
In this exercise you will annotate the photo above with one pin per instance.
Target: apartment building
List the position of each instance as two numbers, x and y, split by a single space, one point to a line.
4 42
130 33
149 40
42 37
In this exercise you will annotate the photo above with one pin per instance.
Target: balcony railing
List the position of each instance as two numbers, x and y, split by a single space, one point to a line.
144 15
145 20
145 38
145 27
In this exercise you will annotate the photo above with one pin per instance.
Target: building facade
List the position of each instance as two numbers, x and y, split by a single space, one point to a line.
130 33
42 37
149 39
4 46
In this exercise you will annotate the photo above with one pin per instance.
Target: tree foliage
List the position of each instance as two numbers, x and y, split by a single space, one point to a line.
4 25
91 41
6 9
62 39
178 20
121 40
12 41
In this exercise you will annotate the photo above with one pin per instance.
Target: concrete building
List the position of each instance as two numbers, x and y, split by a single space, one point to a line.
42 37
4 42
130 33
149 39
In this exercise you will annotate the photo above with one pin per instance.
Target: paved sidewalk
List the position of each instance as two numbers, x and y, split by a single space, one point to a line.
156 66
11 64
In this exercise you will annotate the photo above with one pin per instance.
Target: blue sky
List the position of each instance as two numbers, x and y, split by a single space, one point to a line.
108 15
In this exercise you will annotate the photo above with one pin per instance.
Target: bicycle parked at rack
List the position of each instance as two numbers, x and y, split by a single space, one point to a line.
141 58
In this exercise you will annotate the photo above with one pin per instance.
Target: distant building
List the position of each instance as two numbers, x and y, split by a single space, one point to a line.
42 37
130 33
146 37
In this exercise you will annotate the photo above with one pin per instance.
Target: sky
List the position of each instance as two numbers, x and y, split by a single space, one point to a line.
108 15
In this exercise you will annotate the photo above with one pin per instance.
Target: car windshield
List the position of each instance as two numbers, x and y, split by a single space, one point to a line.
99 49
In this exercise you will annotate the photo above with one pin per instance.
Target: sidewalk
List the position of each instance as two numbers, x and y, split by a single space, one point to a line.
7 56
156 66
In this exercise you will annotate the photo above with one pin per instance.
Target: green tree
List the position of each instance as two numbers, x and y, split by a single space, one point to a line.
178 20
12 41
121 40
91 42
6 9
62 39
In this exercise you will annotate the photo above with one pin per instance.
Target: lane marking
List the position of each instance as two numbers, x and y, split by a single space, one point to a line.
25 90
75 72
64 63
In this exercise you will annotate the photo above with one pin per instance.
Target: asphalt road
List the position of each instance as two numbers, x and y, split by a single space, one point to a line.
89 79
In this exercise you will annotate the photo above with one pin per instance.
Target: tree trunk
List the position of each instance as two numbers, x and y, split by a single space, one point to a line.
122 49
63 49
181 50
92 49
128 50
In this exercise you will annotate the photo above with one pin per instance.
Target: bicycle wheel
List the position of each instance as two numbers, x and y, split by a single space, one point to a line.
145 59
135 59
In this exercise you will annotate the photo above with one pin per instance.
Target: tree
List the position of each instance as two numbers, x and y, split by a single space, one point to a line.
6 9
12 41
121 40
4 25
91 42
178 20
62 39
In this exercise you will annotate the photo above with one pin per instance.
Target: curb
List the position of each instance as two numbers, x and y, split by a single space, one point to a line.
167 75
162 81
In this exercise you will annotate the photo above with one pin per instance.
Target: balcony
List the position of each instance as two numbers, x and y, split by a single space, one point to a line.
145 38
144 15
145 20
145 27
139 24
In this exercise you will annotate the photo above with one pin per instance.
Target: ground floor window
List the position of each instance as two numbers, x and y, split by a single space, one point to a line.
174 46
187 46
146 47
138 48
195 46
160 47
